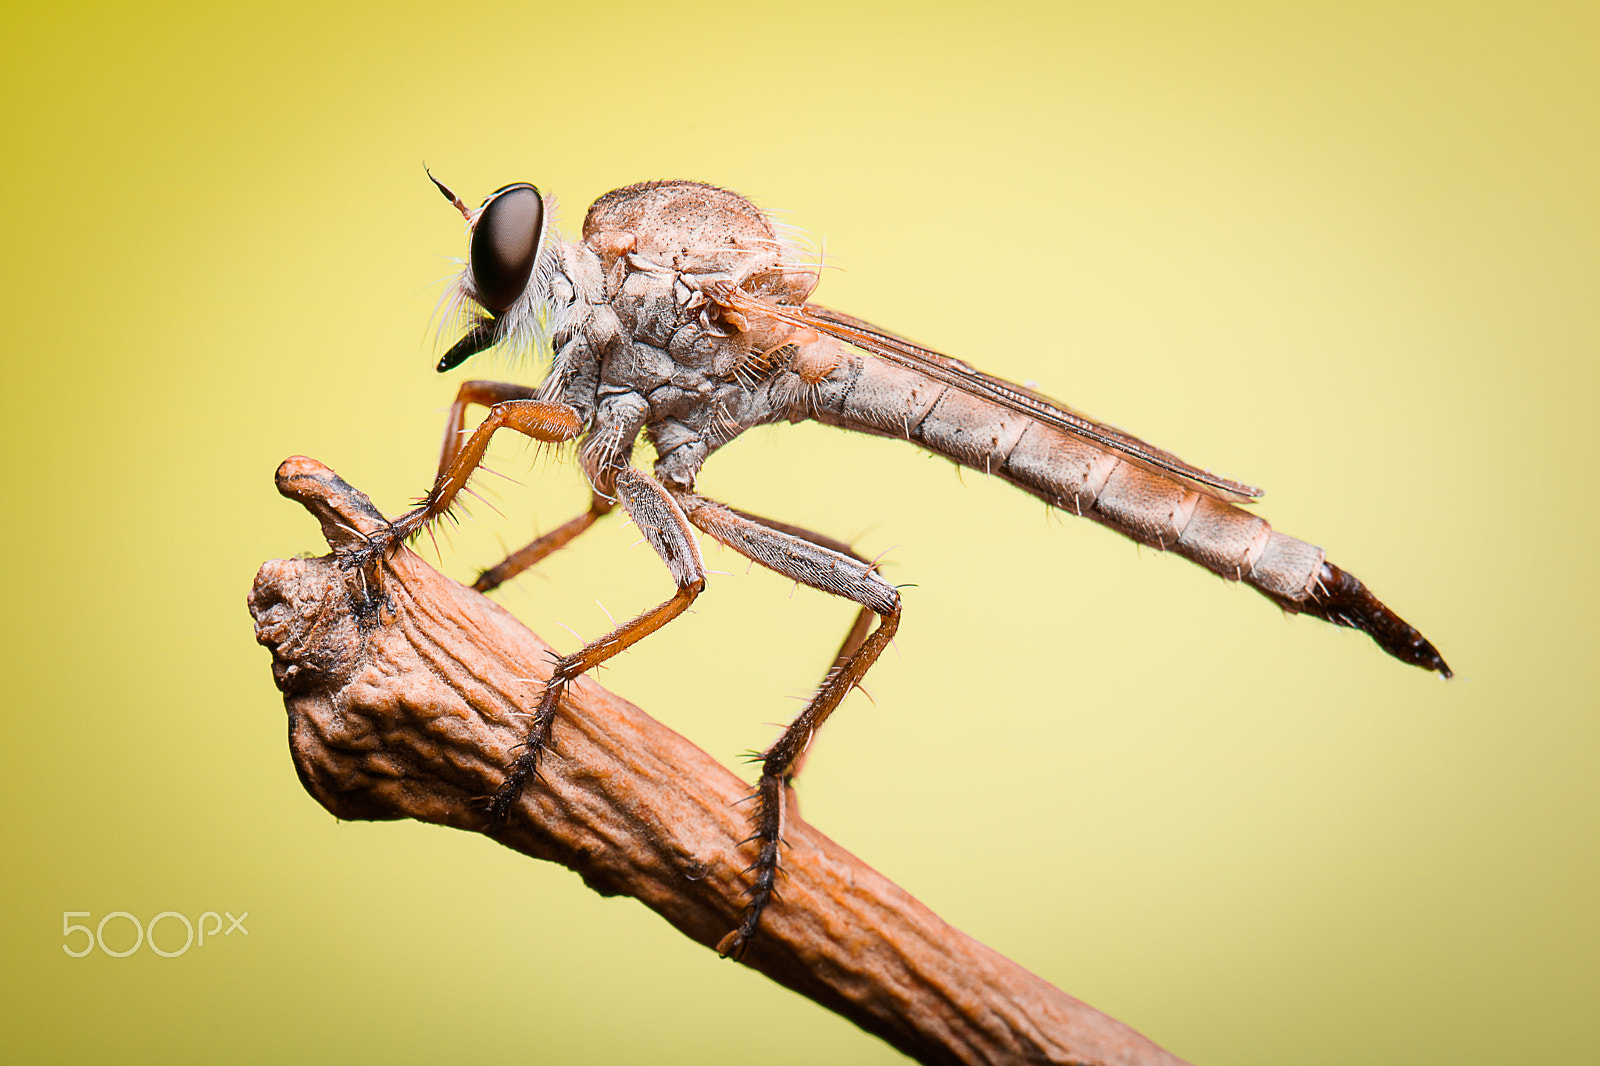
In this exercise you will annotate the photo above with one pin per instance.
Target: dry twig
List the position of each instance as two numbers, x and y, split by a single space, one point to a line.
408 708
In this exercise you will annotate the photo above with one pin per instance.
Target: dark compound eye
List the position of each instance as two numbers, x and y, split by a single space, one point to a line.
505 243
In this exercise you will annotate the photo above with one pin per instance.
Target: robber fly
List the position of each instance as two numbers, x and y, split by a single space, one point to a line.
681 314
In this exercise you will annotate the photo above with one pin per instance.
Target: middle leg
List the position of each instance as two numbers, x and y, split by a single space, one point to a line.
549 543
663 524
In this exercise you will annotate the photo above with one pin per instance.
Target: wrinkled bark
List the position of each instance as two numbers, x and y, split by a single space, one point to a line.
404 690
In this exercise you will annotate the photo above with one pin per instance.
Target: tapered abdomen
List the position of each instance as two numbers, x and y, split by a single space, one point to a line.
874 396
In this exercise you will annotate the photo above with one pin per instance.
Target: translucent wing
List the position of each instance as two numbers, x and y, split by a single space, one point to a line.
969 379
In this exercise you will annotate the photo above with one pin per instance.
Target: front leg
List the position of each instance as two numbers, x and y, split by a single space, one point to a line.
663 524
543 421
844 574
489 393
486 393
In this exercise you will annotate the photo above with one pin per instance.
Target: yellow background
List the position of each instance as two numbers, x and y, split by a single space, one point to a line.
1344 251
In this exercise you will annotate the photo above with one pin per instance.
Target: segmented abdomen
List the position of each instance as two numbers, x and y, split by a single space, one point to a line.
874 396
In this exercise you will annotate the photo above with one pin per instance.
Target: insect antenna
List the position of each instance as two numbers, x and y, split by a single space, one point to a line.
455 201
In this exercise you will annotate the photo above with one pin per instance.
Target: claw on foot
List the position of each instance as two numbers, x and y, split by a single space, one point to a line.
378 544
365 562
732 946
378 541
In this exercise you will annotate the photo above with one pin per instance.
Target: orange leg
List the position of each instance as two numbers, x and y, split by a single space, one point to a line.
489 393
557 538
664 526
539 419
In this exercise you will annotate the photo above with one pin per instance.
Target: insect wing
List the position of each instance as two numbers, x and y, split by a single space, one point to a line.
969 379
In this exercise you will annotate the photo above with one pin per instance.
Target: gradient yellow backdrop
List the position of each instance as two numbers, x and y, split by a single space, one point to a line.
1344 251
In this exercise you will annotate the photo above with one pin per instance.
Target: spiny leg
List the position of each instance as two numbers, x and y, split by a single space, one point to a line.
557 538
663 524
858 629
539 419
843 574
852 641
489 393
847 649
542 420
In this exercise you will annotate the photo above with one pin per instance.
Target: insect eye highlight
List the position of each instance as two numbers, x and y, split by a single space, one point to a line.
505 244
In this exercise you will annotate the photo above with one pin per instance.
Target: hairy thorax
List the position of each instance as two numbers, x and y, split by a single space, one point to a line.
674 363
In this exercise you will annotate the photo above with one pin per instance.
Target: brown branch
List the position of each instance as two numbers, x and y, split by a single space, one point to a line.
404 690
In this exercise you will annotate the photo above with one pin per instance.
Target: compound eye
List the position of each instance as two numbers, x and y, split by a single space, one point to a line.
505 243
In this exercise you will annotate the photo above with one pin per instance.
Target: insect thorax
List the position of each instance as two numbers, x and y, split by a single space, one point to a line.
668 360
